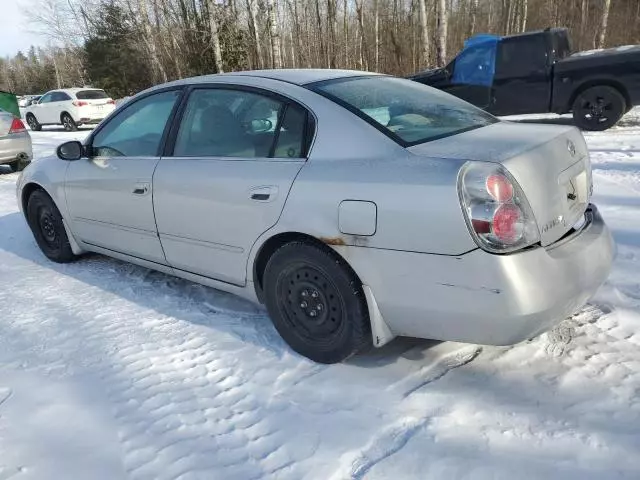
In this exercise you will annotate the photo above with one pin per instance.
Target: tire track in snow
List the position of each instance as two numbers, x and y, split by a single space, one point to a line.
388 442
184 404
441 359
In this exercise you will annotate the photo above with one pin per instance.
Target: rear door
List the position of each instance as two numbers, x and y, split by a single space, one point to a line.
224 182
109 195
522 82
60 102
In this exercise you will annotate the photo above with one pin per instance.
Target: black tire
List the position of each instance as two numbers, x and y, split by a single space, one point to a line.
598 108
316 303
68 123
19 165
46 224
32 121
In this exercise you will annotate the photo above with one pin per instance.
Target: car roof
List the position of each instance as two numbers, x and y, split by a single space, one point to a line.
73 90
297 76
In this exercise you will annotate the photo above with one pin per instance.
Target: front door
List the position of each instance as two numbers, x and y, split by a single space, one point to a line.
522 82
236 155
42 110
109 195
471 73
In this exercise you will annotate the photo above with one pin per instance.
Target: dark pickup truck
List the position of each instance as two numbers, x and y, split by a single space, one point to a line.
536 72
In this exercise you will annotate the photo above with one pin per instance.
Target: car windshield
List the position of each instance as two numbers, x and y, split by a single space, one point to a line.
407 111
91 95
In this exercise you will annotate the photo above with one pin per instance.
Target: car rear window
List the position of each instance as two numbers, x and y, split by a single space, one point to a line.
91 95
407 111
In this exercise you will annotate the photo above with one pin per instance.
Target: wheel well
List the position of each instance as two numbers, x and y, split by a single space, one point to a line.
597 83
27 190
65 113
273 244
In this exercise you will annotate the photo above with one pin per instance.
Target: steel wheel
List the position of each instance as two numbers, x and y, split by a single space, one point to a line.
316 302
48 229
311 304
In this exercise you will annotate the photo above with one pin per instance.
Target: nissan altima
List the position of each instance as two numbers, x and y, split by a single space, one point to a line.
357 207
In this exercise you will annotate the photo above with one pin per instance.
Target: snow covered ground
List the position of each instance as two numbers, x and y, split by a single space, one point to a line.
110 371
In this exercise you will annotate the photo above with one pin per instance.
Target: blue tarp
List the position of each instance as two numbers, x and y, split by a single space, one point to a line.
476 63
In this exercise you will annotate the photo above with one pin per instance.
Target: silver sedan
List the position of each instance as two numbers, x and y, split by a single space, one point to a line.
356 207
15 142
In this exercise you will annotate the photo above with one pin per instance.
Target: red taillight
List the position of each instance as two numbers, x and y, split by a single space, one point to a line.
497 212
507 223
17 126
111 101
499 187
80 103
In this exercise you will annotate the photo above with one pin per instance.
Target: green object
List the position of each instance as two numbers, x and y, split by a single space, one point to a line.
9 103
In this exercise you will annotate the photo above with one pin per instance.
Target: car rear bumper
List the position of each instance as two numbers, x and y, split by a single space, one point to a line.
11 146
483 298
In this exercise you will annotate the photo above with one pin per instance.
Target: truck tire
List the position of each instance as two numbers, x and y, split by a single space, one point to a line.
598 108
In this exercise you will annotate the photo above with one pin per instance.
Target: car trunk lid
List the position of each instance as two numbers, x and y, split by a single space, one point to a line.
550 163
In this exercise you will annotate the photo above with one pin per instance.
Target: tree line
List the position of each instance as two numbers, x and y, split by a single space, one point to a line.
124 46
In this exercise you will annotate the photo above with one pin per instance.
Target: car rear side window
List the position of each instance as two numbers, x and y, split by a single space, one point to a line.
220 122
59 97
407 111
91 95
137 129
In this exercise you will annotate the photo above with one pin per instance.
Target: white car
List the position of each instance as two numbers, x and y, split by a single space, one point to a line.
70 108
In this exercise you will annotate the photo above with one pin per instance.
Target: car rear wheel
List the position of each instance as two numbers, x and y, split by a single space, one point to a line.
316 303
33 122
45 222
68 123
598 108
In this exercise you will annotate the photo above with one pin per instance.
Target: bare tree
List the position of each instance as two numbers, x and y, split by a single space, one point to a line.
424 28
606 4
149 40
441 35
360 14
376 22
215 38
473 14
276 55
255 32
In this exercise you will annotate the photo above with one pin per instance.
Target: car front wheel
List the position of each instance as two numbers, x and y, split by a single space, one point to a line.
598 108
316 303
45 222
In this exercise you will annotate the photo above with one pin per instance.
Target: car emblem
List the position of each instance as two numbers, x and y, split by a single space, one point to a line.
571 147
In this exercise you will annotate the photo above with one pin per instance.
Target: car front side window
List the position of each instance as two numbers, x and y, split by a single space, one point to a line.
221 122
137 130
45 98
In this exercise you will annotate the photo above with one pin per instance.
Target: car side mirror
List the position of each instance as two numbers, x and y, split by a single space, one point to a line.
70 151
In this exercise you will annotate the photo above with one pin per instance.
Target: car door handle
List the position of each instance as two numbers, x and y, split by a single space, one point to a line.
264 194
141 189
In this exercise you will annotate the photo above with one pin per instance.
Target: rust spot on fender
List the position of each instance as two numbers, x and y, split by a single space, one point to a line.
332 241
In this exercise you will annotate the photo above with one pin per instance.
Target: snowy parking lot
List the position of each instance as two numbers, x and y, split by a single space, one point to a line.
111 371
